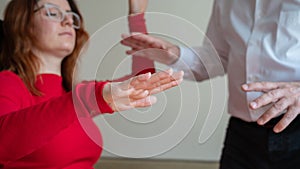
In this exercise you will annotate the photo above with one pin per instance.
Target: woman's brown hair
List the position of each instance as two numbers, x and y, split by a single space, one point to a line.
16 54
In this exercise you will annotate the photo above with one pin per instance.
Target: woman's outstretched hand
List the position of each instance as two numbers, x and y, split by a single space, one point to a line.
138 91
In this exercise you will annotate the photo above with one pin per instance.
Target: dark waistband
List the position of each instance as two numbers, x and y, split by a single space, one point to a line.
270 124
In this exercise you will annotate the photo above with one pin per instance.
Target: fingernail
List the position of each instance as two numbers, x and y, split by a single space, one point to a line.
245 87
253 104
260 121
276 130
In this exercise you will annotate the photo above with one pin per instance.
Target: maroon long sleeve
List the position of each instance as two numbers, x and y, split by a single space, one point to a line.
140 65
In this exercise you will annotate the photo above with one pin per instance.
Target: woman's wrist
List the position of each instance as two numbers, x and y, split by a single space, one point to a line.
137 6
106 94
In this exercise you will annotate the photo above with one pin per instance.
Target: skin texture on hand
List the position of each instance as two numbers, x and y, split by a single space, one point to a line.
138 91
137 6
151 47
285 96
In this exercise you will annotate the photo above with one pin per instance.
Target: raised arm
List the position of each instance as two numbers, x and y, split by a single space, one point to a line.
137 24
137 6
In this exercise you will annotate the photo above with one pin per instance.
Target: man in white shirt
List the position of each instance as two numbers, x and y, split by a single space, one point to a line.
258 42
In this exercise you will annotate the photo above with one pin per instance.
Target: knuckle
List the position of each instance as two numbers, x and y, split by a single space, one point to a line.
272 94
263 83
265 98
289 116
279 106
297 102
157 84
292 90
267 115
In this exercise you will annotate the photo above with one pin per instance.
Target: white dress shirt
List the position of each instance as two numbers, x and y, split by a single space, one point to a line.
256 40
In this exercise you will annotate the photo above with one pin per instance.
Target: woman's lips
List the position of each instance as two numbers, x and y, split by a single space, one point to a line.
66 34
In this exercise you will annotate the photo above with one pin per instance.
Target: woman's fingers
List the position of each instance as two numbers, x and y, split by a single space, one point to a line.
144 102
155 79
165 86
137 91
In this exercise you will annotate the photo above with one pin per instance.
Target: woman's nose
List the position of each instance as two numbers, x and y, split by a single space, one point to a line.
68 20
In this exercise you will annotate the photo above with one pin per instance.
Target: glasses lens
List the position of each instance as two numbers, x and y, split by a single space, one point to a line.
55 13
76 20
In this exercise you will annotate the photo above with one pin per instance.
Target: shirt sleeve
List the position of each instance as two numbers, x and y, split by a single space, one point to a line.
24 131
210 59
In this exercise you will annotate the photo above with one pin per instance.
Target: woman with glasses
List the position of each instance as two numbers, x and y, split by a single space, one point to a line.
44 121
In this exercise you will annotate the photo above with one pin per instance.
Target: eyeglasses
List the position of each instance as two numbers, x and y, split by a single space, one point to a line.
57 14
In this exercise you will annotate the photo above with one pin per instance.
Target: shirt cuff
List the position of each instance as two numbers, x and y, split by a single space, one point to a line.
186 59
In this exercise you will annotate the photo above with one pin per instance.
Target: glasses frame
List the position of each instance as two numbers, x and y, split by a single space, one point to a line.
47 6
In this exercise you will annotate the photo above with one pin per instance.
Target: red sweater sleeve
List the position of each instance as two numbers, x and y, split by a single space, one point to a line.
26 130
140 65
23 131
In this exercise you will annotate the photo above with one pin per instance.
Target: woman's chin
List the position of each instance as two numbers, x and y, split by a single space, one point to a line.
68 49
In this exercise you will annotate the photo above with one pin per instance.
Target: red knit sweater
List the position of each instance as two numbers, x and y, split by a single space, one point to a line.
54 130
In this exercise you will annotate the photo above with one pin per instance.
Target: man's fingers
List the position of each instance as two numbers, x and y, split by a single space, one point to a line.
135 37
286 120
267 98
144 40
135 44
261 86
276 109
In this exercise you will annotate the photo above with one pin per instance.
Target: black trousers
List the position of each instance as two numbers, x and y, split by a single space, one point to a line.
250 146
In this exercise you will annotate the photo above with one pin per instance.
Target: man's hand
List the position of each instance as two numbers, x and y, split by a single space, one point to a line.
285 96
151 47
